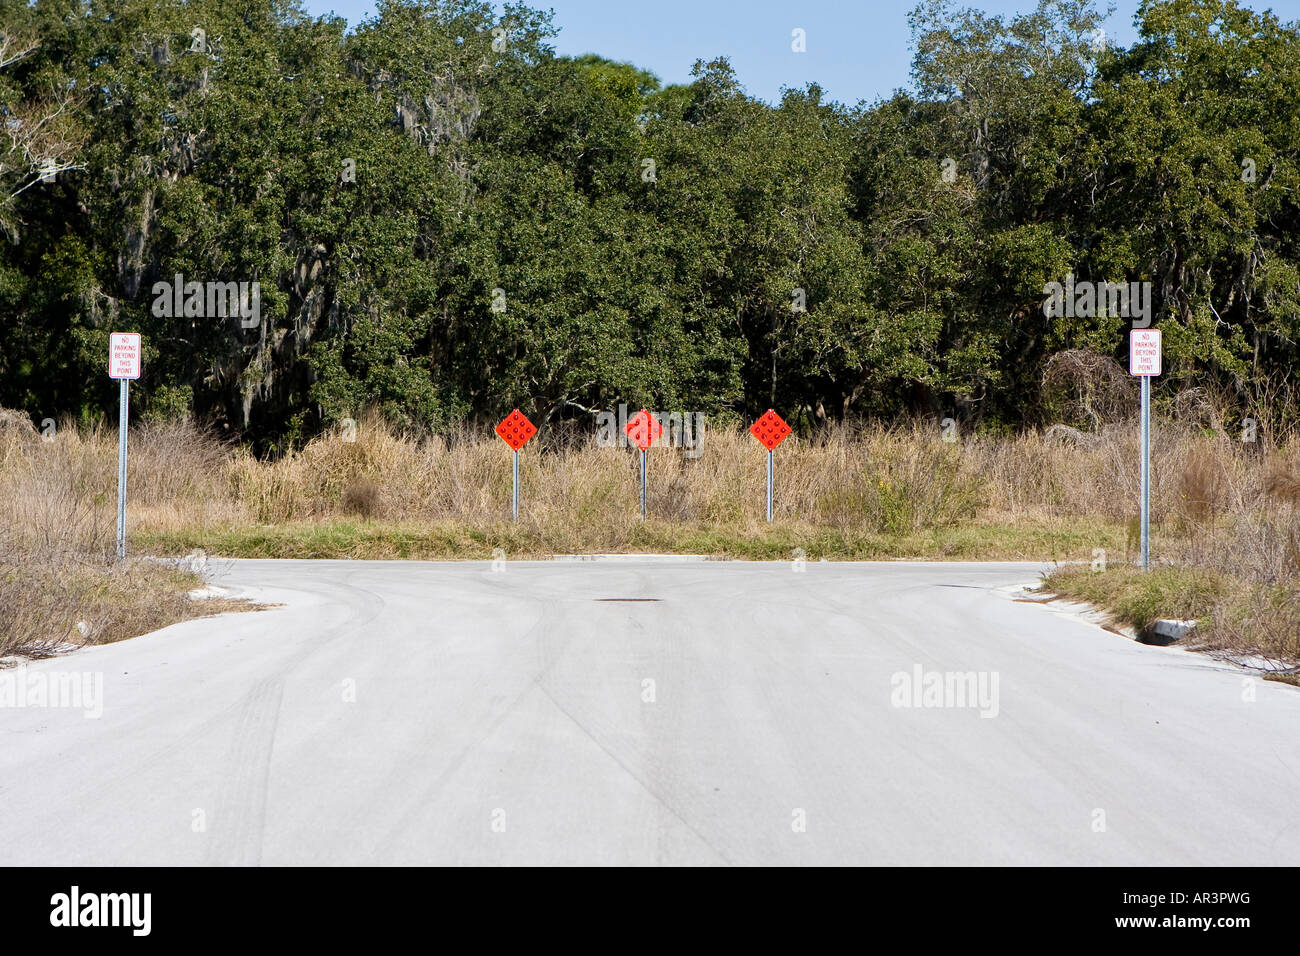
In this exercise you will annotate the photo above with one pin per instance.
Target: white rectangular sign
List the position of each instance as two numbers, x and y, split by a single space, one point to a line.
1144 352
124 355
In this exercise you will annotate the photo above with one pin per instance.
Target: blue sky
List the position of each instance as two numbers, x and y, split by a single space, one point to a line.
856 49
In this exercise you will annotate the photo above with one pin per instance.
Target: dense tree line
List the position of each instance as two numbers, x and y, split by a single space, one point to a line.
446 219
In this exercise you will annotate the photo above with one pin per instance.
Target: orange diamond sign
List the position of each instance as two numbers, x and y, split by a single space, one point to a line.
643 428
771 429
516 429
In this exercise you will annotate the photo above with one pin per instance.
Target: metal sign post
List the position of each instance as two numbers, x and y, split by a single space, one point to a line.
1146 472
123 405
770 455
124 365
515 430
1145 361
770 430
643 454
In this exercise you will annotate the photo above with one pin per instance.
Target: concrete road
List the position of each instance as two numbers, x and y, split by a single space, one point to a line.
643 713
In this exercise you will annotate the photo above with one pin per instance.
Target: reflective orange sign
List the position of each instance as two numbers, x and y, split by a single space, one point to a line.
643 428
516 429
771 429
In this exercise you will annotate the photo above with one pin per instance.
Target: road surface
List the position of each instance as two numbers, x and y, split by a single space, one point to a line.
681 712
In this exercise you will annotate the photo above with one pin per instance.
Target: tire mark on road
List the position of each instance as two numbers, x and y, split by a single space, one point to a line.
240 816
241 809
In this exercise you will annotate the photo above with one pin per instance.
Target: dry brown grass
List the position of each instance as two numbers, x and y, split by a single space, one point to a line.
58 503
362 498
60 494
1282 483
1227 519
1216 503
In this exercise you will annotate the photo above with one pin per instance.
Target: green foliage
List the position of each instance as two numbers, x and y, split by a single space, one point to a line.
684 247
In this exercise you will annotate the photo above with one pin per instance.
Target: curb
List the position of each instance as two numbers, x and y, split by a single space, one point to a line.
635 557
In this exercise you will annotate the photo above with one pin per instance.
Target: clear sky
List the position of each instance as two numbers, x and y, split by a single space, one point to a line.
856 49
